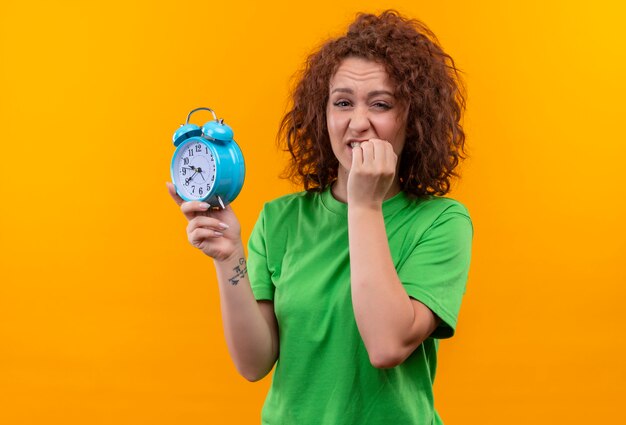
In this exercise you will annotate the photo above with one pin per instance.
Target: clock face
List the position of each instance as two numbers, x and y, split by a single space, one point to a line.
194 170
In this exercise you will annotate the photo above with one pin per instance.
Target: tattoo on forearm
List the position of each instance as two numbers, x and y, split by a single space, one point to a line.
241 270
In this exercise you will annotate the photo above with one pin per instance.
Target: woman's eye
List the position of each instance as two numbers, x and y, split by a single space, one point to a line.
382 105
342 103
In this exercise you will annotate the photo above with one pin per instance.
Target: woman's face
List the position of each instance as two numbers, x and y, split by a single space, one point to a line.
361 106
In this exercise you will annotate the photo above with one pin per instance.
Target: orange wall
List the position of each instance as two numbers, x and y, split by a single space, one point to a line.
108 316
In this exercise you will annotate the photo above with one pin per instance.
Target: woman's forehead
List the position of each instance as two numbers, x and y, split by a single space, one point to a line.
354 71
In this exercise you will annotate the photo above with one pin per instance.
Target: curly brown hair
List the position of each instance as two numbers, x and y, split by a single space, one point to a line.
426 80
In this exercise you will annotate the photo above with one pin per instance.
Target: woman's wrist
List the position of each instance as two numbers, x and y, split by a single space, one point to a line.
235 256
358 208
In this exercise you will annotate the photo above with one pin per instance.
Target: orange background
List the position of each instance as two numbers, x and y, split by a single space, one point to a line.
109 316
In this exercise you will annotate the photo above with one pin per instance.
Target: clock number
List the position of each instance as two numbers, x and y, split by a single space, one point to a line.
206 150
190 152
184 171
186 182
193 188
200 191
208 187
198 147
213 177
185 161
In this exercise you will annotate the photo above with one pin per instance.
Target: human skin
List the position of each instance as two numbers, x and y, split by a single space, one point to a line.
361 109
250 327
367 127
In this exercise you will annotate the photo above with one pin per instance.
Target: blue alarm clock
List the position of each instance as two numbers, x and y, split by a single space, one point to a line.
207 165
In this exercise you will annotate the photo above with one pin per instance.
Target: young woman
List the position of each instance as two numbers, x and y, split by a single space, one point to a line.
349 285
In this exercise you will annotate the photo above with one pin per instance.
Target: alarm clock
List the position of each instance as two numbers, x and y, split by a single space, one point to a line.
207 164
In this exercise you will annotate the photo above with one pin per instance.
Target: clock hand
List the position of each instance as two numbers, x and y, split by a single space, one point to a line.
200 171
187 180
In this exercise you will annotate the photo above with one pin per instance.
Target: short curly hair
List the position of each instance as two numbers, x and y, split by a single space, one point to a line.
426 80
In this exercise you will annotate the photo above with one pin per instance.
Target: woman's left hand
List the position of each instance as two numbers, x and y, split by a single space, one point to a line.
371 174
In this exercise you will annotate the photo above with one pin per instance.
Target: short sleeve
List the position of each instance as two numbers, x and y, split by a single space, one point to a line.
435 272
258 270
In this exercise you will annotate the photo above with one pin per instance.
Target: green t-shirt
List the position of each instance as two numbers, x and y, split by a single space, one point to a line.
298 257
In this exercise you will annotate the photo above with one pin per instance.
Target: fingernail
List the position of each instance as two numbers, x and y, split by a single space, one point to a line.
204 205
223 225
218 233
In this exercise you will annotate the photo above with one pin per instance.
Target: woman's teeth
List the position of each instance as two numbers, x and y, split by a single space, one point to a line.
355 144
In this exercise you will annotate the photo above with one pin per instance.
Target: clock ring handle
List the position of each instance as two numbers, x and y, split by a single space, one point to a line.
201 109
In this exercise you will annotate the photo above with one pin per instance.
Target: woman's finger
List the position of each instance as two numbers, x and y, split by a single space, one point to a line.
206 223
368 152
391 158
200 235
193 208
380 151
357 156
172 191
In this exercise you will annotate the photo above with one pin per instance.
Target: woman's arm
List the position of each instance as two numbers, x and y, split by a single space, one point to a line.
250 327
391 324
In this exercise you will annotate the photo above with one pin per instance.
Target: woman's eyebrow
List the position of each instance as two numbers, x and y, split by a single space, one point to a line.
379 92
370 94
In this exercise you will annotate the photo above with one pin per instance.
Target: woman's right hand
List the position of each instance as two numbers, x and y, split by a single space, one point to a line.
217 233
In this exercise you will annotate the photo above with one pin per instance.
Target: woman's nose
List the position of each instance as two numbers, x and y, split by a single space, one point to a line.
359 120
